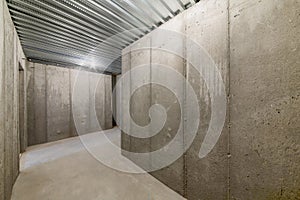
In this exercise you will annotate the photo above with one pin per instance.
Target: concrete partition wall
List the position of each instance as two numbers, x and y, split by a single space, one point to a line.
12 59
50 89
265 103
189 175
254 44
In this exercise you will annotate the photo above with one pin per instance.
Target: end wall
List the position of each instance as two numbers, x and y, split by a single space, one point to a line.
50 90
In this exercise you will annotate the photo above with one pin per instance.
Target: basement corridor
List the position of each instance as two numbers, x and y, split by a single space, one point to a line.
149 99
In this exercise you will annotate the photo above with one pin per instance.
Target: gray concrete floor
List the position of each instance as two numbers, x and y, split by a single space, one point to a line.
65 170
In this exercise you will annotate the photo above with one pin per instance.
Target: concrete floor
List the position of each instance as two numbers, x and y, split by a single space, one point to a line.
65 170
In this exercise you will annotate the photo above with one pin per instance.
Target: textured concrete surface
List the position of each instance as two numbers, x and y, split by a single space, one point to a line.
139 111
189 176
124 93
148 95
45 173
49 102
206 24
11 57
172 175
58 103
265 104
255 46
39 106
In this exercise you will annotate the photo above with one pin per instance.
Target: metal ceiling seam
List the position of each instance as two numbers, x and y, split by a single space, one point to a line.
45 32
44 29
80 3
134 24
107 27
159 14
171 13
182 6
72 66
70 18
54 56
56 6
52 37
52 52
41 44
55 26
108 53
76 62
37 53
165 11
148 9
141 7
193 2
129 26
135 35
122 10
132 8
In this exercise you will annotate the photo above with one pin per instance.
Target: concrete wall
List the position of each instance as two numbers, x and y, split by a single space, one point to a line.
255 46
49 98
265 103
11 59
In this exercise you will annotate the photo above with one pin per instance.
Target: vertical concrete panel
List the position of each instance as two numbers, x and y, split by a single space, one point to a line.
40 107
25 121
172 175
2 103
58 103
99 100
124 93
16 131
25 110
265 74
80 102
30 103
108 101
140 101
73 74
96 99
207 25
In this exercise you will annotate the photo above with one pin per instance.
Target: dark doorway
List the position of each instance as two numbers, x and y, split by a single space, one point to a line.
114 82
22 109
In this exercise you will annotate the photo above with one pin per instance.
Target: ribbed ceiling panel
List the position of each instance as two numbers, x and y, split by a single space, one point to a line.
87 33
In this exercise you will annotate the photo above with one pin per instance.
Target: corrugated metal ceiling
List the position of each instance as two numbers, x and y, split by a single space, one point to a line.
87 33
